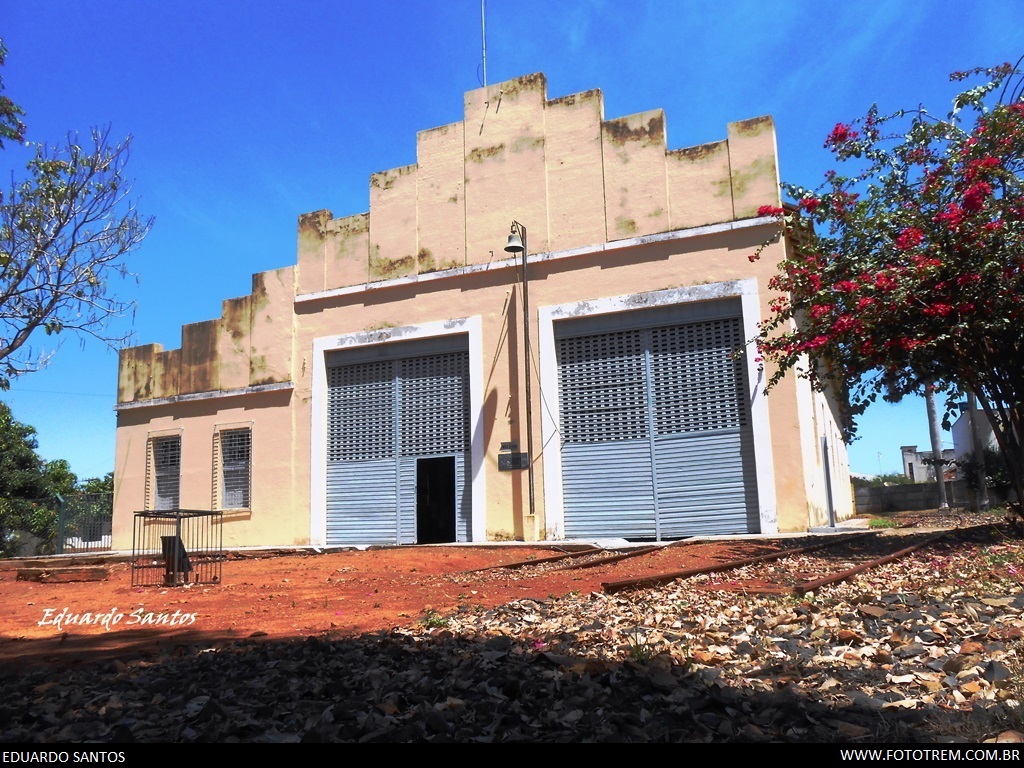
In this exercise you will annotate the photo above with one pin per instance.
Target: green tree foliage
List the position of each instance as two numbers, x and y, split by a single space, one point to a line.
100 485
86 510
907 265
996 476
59 477
11 127
32 491
66 228
893 478
25 487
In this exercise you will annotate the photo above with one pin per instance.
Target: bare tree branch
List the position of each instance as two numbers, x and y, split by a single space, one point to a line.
65 232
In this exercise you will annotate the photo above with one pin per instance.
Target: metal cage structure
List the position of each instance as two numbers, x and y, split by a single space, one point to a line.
175 547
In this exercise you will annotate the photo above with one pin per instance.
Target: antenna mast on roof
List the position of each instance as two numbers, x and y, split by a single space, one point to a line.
483 36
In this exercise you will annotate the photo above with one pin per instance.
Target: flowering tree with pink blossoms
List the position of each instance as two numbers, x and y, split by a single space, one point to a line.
906 266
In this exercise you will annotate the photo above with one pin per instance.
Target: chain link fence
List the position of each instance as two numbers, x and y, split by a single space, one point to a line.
85 523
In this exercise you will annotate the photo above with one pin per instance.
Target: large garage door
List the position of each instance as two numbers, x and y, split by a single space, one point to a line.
655 430
389 422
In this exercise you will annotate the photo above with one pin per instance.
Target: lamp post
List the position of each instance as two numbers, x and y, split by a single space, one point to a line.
978 448
517 244
936 436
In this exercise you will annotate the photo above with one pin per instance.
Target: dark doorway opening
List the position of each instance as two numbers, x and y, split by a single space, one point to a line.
435 500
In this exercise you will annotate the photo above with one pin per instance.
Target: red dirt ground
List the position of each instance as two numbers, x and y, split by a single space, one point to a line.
300 595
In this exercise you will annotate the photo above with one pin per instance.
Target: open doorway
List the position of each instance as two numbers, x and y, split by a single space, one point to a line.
435 500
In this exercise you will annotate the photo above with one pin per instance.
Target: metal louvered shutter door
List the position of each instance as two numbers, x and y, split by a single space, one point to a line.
463 497
702 438
656 435
434 410
361 468
383 416
606 463
433 421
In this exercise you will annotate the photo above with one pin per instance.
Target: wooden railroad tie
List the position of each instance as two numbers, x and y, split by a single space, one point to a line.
63 575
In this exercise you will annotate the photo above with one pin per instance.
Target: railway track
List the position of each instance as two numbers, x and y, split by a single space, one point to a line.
775 566
799 571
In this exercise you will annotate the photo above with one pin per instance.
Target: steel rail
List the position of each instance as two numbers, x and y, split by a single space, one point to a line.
667 578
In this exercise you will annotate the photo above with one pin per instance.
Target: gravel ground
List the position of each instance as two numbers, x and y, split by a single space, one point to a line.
925 649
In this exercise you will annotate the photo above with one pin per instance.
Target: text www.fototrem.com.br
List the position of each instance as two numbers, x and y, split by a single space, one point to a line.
974 755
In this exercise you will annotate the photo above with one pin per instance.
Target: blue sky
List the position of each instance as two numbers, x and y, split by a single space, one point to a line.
245 115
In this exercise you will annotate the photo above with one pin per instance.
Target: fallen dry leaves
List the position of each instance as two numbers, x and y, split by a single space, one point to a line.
925 649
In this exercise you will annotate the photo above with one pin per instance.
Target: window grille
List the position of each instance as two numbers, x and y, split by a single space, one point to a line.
234 456
165 459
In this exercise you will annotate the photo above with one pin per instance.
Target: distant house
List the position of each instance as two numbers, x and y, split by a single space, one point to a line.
376 390
919 466
963 440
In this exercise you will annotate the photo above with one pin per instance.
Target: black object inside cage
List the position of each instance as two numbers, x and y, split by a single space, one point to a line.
175 547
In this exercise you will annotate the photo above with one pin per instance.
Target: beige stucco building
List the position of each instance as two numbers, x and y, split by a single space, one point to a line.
375 391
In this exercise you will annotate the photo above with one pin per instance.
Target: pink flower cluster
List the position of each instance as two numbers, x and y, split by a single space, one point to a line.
968 278
908 238
979 165
844 323
885 282
952 216
974 197
840 134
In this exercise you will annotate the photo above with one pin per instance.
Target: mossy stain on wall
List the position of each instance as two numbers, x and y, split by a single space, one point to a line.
480 154
575 98
143 382
425 261
763 167
625 225
723 188
620 132
314 224
353 225
258 371
170 364
701 151
384 269
260 298
524 83
755 126
382 180
199 355
387 179
236 317
199 343
528 143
